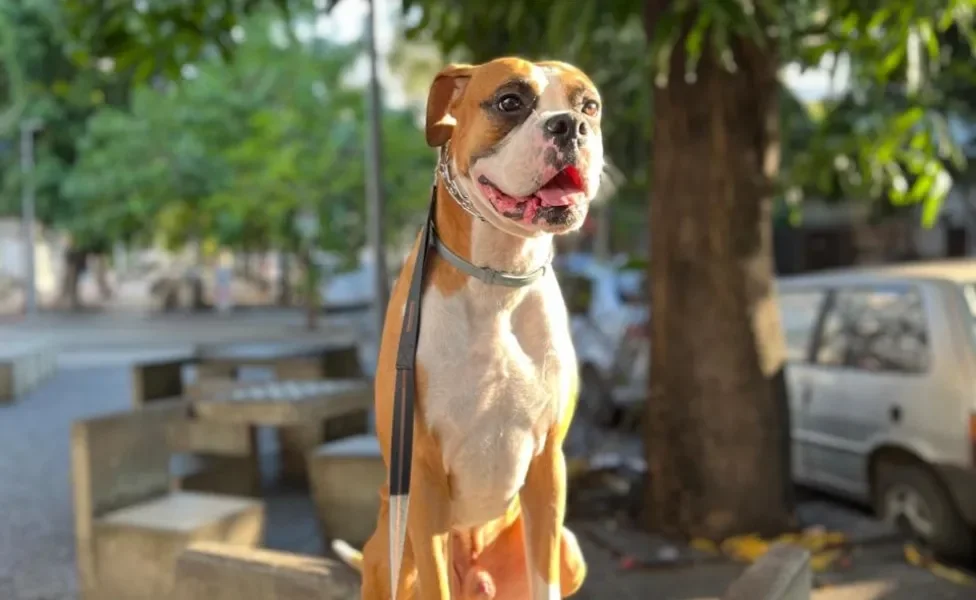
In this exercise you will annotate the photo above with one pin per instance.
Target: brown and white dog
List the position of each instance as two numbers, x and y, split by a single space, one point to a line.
496 371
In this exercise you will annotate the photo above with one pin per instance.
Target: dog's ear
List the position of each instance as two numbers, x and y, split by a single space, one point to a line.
447 88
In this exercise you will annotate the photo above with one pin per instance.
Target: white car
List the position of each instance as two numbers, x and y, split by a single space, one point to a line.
882 381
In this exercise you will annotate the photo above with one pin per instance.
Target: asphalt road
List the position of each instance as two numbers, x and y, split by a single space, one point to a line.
36 520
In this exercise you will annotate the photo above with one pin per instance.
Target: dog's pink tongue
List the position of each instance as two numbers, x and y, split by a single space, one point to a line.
558 195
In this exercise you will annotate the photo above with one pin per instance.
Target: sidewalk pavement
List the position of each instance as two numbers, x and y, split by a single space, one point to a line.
119 330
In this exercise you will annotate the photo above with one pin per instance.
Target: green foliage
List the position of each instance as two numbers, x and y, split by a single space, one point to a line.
232 152
885 139
160 36
44 84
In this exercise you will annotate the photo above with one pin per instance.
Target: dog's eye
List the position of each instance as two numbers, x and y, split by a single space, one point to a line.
591 108
509 103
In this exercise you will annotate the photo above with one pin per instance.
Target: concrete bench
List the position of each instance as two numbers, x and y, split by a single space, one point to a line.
346 476
209 571
159 379
215 457
783 573
129 525
23 367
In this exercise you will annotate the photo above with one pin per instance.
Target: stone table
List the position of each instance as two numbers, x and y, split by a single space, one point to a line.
288 360
313 411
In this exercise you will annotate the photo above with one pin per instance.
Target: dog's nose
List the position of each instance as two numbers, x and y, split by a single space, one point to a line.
565 126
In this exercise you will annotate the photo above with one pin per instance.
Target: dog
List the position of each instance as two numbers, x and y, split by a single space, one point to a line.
521 158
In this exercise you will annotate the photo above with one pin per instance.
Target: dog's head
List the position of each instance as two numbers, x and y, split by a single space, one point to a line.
525 141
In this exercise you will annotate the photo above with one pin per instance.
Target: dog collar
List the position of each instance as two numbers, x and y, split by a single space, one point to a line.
452 187
485 274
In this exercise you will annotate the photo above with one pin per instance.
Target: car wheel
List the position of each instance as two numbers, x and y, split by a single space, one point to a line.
594 404
910 497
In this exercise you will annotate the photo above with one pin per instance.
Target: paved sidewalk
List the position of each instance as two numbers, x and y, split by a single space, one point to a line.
137 329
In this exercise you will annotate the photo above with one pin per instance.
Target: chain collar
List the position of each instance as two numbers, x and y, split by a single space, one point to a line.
452 187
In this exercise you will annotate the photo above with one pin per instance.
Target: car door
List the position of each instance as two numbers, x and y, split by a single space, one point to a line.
871 356
800 313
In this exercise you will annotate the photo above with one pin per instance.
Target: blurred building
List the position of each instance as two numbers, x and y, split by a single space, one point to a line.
854 233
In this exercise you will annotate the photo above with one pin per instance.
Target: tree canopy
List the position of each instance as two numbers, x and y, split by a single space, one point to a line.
885 137
227 153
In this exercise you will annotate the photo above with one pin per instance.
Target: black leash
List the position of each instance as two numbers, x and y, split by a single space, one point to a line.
401 446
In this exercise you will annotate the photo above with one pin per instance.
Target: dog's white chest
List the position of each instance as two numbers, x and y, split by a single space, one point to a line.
496 384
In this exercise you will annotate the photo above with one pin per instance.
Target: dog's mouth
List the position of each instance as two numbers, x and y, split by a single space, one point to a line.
556 203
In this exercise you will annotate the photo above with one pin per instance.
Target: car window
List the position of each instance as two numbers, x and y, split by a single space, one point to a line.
879 329
799 311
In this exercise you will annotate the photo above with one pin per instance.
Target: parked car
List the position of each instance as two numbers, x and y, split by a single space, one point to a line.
882 381
608 317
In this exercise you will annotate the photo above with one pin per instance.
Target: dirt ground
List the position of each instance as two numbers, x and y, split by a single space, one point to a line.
626 564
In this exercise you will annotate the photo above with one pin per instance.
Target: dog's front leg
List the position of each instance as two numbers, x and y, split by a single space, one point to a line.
543 499
428 525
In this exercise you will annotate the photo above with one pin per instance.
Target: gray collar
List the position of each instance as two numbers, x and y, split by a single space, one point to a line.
485 274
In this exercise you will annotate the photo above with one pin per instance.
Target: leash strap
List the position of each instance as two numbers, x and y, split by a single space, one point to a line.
405 392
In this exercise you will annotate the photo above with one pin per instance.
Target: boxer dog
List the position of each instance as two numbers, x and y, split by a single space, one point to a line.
521 157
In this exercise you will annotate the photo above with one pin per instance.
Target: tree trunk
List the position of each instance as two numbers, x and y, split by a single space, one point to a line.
312 303
717 420
101 276
74 266
284 278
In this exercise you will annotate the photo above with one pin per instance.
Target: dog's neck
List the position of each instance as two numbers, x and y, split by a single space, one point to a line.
484 245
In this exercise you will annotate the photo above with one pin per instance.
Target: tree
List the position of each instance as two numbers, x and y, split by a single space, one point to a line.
717 435
232 152
44 83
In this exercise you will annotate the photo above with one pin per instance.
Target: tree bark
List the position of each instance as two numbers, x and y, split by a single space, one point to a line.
284 278
717 421
312 302
74 266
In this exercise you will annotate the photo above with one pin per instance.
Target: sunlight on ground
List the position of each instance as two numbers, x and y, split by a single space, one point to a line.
862 590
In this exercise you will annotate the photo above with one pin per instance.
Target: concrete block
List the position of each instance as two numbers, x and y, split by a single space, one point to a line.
295 443
298 369
346 476
23 367
157 380
136 548
226 475
287 403
129 528
216 370
211 437
208 571
783 573
343 362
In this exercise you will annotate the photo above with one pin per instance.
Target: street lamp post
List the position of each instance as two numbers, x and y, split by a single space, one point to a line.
374 177
27 130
